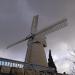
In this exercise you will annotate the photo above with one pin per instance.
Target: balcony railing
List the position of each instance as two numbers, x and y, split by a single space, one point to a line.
19 64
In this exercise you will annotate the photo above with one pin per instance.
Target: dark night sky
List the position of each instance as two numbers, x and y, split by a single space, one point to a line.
15 24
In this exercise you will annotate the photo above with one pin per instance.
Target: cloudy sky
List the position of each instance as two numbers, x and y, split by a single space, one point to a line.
15 24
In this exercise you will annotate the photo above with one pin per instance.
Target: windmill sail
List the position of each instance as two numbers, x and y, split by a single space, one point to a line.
19 42
54 27
50 29
34 24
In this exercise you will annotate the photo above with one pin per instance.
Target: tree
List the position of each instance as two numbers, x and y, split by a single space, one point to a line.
51 62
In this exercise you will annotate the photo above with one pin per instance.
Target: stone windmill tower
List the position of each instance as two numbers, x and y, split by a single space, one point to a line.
36 42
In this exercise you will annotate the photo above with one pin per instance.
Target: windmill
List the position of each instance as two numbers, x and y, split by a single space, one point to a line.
36 42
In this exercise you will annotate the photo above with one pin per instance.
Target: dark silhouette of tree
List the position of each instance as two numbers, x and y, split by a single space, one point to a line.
51 62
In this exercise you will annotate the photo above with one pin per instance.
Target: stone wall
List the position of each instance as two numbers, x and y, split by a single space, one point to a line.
21 71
